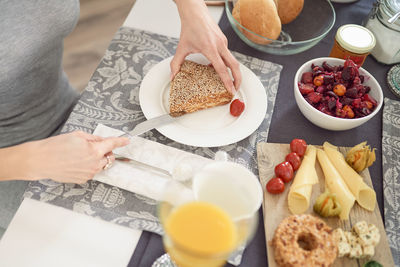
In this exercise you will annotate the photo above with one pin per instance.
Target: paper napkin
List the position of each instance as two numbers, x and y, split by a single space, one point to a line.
143 181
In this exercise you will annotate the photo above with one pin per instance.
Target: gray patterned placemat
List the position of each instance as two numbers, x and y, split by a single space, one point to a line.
391 174
112 98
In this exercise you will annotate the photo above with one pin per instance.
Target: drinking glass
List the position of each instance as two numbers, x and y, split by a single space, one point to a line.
221 186
184 256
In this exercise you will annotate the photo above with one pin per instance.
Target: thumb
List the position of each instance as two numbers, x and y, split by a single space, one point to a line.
177 60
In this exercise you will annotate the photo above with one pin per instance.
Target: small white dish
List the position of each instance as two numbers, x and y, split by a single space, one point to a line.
206 128
329 122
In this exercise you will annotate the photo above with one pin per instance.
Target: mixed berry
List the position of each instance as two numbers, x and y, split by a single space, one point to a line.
337 90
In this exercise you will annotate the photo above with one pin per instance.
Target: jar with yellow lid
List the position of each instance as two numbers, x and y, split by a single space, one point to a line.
353 42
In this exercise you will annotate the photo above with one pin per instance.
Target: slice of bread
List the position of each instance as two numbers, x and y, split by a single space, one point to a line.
196 87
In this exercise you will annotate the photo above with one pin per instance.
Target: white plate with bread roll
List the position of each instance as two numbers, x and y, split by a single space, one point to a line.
211 127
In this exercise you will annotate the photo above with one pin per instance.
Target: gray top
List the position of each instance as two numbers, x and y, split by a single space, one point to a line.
35 96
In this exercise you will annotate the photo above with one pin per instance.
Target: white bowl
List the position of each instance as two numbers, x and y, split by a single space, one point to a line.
326 121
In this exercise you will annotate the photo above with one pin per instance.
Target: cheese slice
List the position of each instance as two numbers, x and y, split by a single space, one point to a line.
301 189
364 194
336 185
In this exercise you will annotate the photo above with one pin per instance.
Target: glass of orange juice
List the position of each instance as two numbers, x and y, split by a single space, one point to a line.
205 230
201 234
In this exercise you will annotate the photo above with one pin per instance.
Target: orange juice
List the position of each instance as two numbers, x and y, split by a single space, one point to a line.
201 234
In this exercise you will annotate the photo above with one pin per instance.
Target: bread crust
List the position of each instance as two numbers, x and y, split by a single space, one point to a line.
260 17
236 13
196 87
288 10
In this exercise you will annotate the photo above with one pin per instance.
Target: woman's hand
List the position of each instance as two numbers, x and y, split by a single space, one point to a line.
69 158
200 34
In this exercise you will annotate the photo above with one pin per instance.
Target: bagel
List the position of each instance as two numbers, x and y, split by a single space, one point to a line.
304 240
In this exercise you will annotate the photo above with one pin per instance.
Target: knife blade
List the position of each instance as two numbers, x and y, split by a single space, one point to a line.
150 124
141 164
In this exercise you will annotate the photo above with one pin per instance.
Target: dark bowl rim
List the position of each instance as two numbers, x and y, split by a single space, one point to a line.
319 37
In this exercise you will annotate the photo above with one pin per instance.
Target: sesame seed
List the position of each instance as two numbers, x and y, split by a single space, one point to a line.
196 87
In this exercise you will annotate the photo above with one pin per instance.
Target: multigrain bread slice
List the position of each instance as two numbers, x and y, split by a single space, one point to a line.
196 87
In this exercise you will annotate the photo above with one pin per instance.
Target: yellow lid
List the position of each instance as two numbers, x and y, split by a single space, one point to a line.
355 38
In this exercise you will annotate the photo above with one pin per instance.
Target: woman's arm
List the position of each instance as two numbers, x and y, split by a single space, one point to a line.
13 162
200 34
69 158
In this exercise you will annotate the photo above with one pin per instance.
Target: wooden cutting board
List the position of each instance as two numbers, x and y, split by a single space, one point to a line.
275 207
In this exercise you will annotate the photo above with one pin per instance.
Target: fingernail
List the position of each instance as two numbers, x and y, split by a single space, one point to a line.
171 76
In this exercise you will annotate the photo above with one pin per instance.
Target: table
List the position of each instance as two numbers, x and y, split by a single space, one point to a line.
150 247
54 233
164 20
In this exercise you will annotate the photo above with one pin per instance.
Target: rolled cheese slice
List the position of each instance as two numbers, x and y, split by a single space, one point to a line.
336 185
301 189
364 194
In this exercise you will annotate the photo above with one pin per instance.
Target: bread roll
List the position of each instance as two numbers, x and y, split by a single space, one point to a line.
288 10
236 12
260 17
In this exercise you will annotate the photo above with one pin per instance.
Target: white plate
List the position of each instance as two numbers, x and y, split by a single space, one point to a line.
206 128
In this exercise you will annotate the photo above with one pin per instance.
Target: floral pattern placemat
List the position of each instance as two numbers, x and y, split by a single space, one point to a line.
391 174
112 98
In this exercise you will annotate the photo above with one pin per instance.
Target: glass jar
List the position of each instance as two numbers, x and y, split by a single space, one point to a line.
387 49
353 42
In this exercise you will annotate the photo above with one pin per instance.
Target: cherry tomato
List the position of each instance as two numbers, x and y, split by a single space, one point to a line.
236 107
299 146
294 160
284 171
275 186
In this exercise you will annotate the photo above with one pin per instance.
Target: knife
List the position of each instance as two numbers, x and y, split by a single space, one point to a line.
141 164
151 124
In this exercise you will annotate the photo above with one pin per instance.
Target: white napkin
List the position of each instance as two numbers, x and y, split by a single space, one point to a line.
139 180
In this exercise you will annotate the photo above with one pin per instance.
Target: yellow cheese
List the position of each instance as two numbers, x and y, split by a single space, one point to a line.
364 194
306 176
336 185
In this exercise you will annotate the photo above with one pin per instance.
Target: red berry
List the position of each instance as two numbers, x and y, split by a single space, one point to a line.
294 160
305 88
314 97
299 146
236 107
275 186
369 98
284 171
307 77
